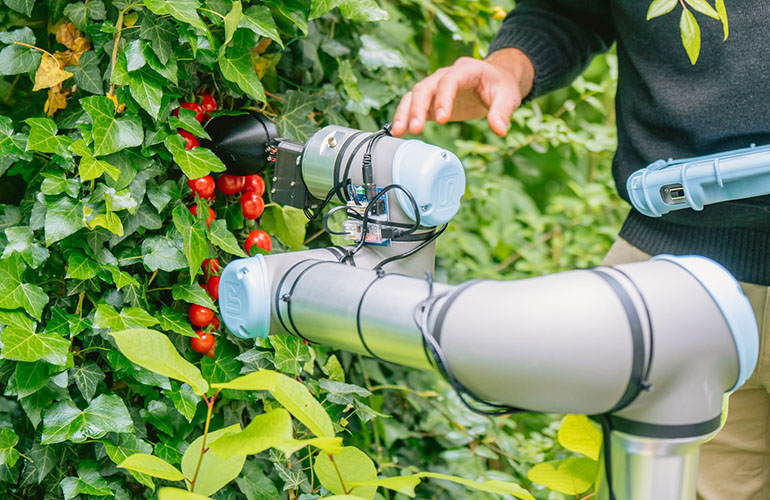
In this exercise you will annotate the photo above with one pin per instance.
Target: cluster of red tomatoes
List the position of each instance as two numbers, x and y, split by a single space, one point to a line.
251 188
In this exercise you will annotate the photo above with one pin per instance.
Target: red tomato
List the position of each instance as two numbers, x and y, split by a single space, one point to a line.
208 103
204 186
210 267
259 238
214 325
211 352
212 286
195 107
203 342
230 184
189 140
211 217
200 315
252 205
254 183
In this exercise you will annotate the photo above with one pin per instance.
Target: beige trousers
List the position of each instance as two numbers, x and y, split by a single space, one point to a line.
735 465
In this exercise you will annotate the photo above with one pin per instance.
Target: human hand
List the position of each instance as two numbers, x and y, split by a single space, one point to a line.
467 90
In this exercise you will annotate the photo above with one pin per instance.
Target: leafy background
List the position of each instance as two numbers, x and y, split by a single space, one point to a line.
96 236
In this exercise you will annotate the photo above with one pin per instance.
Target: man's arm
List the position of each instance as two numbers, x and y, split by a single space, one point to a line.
542 45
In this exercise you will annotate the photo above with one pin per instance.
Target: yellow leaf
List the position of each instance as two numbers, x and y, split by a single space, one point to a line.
118 107
56 101
577 433
67 34
49 74
572 476
66 58
130 19
80 45
498 13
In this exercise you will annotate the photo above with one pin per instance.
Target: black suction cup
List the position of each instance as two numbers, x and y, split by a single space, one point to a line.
241 142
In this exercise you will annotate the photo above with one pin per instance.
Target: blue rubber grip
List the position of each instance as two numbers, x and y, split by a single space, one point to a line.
664 186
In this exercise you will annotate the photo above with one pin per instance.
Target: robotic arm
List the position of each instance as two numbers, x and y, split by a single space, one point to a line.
650 347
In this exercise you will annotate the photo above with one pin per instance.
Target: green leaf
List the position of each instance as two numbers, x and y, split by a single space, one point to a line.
134 53
406 484
723 16
187 121
333 369
8 454
287 223
87 377
120 278
161 34
45 459
256 485
293 122
184 399
174 321
11 143
356 10
352 465
192 294
88 482
79 13
232 20
154 351
87 74
43 138
23 6
111 134
129 317
224 239
291 353
90 167
80 266
224 366
57 182
177 494
237 68
703 7
31 377
63 217
147 90
293 395
152 466
270 430
194 235
572 476
690 31
21 343
182 10
14 292
195 163
64 421
376 54
577 433
160 252
21 240
124 446
258 19
15 59
660 7
214 472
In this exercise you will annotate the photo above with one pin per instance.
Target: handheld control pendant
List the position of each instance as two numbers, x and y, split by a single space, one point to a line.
664 186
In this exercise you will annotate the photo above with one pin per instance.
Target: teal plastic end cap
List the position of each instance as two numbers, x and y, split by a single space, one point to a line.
244 297
735 307
434 176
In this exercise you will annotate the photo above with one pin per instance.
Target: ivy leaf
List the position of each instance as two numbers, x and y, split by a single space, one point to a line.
22 6
10 142
256 485
174 321
63 217
21 240
194 236
688 26
723 16
57 182
87 75
341 393
154 351
88 482
352 465
90 167
124 446
80 266
134 53
184 399
192 294
224 239
237 68
572 476
121 279
111 134
224 366
49 74
43 138
15 293
129 317
87 377
187 121
64 421
161 34
660 7
8 454
258 19
356 10
182 10
290 353
214 471
16 59
287 223
293 122
147 90
31 377
160 252
45 459
79 13
232 20
195 163
152 466
703 7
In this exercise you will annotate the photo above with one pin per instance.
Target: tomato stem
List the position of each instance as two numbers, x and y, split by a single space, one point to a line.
210 405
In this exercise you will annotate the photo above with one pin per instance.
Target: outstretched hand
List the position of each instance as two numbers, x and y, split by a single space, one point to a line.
467 90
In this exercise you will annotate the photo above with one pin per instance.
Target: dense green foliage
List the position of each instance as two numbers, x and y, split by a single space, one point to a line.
102 241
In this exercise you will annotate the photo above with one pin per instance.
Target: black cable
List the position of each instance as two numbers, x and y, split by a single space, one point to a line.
411 251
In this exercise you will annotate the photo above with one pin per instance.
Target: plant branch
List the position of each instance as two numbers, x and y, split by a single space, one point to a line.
210 404
33 47
339 476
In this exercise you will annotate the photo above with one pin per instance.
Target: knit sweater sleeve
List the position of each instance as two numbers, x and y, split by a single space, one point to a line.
560 37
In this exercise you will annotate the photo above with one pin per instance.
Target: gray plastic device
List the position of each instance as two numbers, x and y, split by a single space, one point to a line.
654 345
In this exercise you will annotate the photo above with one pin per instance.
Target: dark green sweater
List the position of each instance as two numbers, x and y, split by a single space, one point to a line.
668 108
